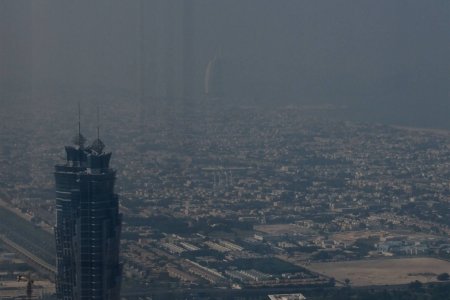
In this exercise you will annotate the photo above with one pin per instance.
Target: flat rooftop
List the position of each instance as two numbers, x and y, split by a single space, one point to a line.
287 297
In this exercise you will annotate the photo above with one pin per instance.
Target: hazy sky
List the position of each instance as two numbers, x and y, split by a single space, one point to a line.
387 54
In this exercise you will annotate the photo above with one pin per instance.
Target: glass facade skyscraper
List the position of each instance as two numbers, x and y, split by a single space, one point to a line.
88 225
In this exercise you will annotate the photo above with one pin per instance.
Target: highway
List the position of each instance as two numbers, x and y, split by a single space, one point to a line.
30 256
31 242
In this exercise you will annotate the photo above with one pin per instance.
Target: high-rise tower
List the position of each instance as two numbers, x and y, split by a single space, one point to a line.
214 78
88 224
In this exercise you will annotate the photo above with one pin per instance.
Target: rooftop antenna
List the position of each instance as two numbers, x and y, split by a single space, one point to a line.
79 140
98 122
79 119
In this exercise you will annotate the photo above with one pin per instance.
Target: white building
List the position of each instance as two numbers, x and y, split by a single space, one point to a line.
287 297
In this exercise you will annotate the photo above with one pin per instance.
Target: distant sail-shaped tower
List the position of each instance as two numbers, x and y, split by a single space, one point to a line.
214 78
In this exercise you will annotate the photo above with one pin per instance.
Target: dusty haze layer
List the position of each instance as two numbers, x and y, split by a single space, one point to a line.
386 60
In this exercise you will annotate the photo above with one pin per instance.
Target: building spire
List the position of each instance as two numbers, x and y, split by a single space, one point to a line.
79 139
98 145
79 118
98 122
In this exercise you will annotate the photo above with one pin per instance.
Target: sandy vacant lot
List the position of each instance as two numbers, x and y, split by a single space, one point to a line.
384 271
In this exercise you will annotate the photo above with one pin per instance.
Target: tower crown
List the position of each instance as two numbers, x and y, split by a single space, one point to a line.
97 146
79 140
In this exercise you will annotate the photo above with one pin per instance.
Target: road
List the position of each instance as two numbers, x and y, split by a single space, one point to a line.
30 256
29 241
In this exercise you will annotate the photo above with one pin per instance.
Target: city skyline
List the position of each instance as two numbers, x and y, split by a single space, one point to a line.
246 149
